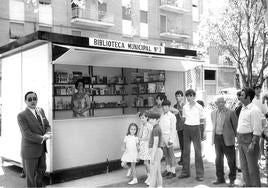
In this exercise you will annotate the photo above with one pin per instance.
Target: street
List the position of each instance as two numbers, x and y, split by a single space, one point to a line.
9 175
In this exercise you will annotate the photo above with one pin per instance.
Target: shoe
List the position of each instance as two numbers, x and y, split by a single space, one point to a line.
171 175
165 173
129 172
22 174
147 180
199 178
231 183
180 163
134 181
217 182
183 176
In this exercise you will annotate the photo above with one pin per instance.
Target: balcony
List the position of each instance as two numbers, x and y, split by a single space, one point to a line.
173 6
174 34
92 18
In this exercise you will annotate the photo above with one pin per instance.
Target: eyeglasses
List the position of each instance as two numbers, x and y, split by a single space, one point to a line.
30 99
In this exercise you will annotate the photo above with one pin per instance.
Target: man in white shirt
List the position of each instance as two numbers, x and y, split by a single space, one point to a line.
168 127
259 102
249 130
193 114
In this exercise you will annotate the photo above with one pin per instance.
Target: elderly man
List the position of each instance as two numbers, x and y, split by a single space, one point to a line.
249 130
224 123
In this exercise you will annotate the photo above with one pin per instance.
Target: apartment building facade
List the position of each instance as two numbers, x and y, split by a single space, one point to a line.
171 23
161 22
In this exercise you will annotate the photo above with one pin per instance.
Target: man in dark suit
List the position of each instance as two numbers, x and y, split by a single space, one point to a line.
224 123
35 130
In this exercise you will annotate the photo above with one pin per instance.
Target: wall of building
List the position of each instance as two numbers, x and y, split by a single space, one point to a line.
62 15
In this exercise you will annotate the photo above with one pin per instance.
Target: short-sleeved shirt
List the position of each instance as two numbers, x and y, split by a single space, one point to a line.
155 132
193 114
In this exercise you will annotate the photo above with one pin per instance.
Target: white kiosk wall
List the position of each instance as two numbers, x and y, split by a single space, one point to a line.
11 106
25 71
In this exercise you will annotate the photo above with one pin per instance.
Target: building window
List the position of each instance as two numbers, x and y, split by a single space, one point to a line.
195 10
16 10
102 10
163 23
126 18
45 12
210 75
143 16
16 30
126 13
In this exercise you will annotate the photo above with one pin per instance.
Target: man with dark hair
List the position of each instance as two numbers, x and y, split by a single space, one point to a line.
168 127
179 125
259 102
239 106
35 130
248 134
193 113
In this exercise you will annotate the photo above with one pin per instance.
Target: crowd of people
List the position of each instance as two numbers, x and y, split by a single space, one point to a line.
160 129
160 126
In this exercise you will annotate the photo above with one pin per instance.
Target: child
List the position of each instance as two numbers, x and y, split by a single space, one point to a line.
156 151
144 136
131 152
168 127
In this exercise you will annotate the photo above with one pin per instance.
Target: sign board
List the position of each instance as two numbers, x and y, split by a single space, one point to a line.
123 45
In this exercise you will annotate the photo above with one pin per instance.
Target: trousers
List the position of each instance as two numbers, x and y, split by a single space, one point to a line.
156 179
192 134
249 160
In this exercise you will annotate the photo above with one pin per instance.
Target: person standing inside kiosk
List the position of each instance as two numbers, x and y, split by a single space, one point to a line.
80 100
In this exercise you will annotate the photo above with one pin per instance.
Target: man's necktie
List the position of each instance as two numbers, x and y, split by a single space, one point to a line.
38 118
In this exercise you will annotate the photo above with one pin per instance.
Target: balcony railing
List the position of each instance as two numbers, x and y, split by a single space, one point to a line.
92 17
173 6
174 34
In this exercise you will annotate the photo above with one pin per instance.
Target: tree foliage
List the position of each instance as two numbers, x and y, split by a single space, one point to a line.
238 31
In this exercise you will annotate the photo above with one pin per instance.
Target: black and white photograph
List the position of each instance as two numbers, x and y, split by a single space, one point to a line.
133 93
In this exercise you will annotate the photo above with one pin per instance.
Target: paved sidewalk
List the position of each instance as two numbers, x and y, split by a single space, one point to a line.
118 178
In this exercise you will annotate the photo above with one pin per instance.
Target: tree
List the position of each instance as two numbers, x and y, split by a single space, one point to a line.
239 33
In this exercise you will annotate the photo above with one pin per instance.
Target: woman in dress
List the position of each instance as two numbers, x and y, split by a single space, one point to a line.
80 100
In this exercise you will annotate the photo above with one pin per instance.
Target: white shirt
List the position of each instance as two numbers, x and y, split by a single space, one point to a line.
250 120
193 114
167 125
33 111
259 103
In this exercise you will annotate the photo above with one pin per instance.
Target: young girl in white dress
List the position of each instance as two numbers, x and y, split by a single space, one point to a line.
131 152
144 135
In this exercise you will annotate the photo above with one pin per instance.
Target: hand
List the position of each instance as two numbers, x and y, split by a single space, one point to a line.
169 144
48 135
250 147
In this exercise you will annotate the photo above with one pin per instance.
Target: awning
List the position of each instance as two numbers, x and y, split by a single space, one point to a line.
106 58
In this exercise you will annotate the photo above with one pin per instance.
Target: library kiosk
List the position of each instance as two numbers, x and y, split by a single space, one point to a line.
121 79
